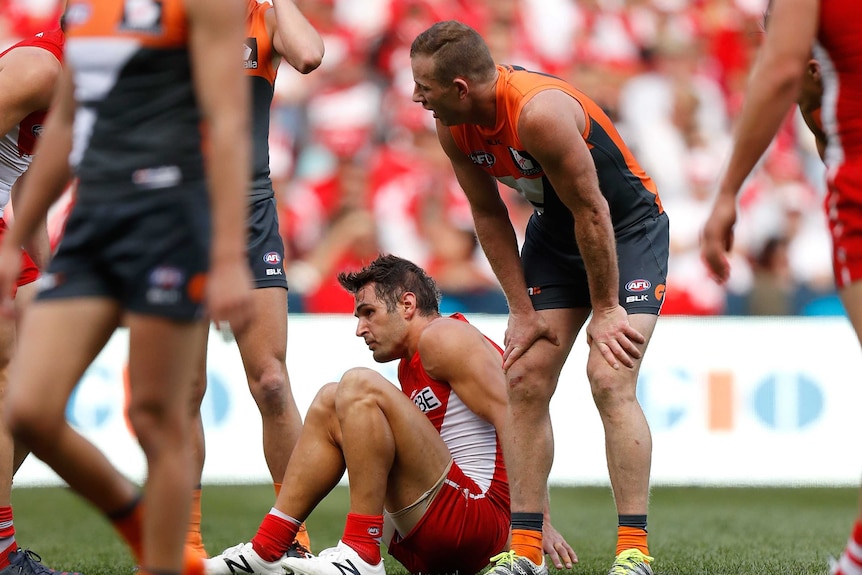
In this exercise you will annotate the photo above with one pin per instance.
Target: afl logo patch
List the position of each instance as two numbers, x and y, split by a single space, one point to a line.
272 258
635 286
166 277
37 130
482 158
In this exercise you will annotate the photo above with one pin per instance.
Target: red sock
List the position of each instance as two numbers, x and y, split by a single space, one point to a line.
273 537
856 534
7 535
850 562
362 533
7 526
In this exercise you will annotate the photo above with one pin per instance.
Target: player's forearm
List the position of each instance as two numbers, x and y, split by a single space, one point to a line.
39 245
772 89
43 183
497 238
597 245
227 175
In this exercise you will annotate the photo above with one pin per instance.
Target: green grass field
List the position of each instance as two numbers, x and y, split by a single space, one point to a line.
693 531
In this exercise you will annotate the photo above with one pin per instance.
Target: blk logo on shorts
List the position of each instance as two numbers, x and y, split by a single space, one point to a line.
249 54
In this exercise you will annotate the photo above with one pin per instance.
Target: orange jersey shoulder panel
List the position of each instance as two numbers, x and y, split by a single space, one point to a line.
152 23
515 88
258 44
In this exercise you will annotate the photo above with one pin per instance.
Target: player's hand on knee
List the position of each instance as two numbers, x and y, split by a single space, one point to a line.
522 331
609 330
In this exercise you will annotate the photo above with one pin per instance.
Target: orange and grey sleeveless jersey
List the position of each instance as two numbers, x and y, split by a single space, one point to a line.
630 193
257 61
137 126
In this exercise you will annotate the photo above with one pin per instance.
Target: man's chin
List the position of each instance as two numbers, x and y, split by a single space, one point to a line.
381 357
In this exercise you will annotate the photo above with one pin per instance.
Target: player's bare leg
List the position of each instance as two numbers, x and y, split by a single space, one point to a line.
529 452
628 445
850 561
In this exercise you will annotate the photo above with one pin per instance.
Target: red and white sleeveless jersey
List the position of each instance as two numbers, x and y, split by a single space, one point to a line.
471 440
839 50
17 145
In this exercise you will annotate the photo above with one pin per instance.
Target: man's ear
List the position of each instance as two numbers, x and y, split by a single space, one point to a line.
462 86
814 69
408 302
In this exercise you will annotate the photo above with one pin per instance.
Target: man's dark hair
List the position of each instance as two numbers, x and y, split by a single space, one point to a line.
457 50
393 277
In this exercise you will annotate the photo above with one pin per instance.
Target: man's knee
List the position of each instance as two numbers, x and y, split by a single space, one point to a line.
27 422
360 389
269 387
530 382
611 387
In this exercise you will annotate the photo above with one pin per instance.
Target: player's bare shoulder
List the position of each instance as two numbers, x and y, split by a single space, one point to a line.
446 342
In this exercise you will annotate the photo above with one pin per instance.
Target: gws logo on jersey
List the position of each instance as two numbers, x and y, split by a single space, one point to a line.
249 54
525 162
142 16
272 258
483 158
636 286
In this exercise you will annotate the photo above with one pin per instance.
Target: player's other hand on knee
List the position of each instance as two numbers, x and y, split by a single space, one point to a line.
522 331
615 338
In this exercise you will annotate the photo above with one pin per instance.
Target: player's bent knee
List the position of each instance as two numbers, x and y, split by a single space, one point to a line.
528 385
28 423
611 386
270 391
361 386
325 399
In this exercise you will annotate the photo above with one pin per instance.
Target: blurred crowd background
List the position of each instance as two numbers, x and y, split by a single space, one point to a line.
357 168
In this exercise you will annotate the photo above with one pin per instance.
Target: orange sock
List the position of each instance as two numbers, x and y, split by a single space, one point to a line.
632 538
128 523
193 562
302 537
193 536
528 543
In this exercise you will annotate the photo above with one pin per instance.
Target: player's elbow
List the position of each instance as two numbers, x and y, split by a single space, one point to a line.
309 61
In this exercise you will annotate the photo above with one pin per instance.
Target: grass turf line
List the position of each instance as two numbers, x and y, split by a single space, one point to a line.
693 531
